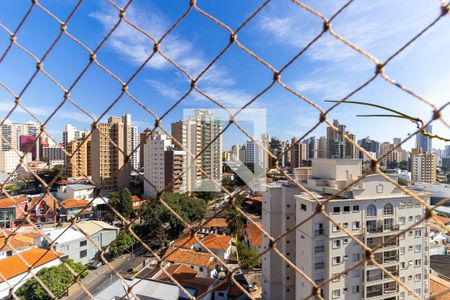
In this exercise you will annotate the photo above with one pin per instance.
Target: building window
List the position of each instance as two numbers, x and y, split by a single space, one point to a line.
336 209
355 273
201 269
83 243
336 260
417 263
336 244
401 205
418 233
303 207
401 221
346 209
83 253
418 291
371 211
356 225
336 277
418 218
355 289
417 248
417 277
356 257
335 228
336 293
355 208
345 241
388 210
221 294
402 250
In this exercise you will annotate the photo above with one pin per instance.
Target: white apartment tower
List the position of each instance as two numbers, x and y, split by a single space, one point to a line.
374 211
163 167
135 148
71 133
197 136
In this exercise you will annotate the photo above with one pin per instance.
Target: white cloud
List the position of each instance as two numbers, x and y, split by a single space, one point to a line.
164 89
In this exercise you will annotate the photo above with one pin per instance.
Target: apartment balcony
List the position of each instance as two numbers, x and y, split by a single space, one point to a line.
319 249
319 265
381 228
319 232
382 290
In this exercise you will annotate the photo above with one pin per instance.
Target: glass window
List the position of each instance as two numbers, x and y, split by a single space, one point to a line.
417 248
83 243
336 244
417 263
335 228
336 260
371 211
418 233
337 278
401 205
355 207
355 289
345 225
402 250
418 218
346 209
336 209
83 253
336 293
417 277
356 225
345 241
355 273
388 209
356 257
401 220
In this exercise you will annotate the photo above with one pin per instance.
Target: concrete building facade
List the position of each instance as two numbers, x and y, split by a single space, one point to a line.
423 167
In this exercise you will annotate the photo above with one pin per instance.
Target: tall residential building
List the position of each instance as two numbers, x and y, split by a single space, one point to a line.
423 167
374 210
135 142
254 153
110 147
243 153
11 133
197 136
423 141
52 152
143 137
370 145
336 141
163 167
350 149
323 147
313 148
71 133
447 151
10 161
298 153
235 152
277 147
78 161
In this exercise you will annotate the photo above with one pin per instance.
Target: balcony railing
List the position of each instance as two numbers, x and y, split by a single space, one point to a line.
319 249
382 228
318 232
375 293
319 265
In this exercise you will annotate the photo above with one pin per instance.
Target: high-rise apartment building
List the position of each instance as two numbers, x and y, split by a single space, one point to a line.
374 211
235 152
143 137
323 147
109 153
11 133
313 148
243 153
423 167
78 161
52 153
197 136
423 141
298 153
163 167
254 153
336 141
370 145
10 161
71 133
350 148
135 148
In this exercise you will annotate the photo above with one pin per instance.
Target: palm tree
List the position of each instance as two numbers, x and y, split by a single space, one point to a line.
235 223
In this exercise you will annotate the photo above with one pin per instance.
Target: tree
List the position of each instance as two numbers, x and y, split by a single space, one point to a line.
57 279
123 242
235 223
248 256
402 181
126 205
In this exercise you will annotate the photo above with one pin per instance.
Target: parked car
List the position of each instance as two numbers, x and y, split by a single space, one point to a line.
95 264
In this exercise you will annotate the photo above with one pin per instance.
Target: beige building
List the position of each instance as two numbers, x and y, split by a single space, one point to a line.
423 167
78 165
164 167
196 135
110 148
10 161
374 210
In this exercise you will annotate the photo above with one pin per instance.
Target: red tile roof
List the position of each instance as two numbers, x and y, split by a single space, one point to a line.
74 203
185 241
10 202
217 222
254 234
13 266
189 257
443 220
437 286
15 242
217 241
178 272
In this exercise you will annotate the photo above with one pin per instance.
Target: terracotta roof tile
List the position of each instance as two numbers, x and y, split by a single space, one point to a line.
9 202
442 219
217 241
189 257
15 242
185 241
439 285
74 203
217 222
178 272
254 234
13 266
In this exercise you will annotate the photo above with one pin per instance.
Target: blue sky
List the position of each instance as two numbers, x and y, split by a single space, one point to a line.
328 70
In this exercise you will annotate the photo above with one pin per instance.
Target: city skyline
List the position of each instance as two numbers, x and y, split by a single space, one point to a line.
321 74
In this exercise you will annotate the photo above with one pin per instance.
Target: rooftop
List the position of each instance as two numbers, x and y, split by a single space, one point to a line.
178 272
64 235
10 202
217 241
217 222
189 257
80 186
74 203
185 241
91 227
13 266
254 234
15 242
